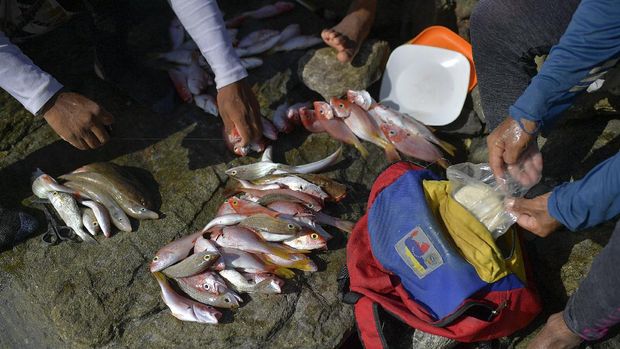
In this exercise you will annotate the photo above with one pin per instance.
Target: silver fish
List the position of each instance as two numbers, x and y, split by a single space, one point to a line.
210 281
101 214
251 62
299 43
117 215
263 168
258 47
194 287
291 31
256 37
90 222
192 265
173 252
229 219
185 309
68 209
44 183
241 284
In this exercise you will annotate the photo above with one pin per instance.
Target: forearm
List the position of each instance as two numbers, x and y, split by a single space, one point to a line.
203 21
591 200
588 48
21 78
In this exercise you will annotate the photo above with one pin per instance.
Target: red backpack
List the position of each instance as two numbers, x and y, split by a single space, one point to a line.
447 299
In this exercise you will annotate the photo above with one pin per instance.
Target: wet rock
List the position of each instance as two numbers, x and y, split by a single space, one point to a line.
322 72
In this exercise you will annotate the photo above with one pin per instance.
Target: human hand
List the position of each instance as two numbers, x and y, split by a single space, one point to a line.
533 215
513 149
240 110
78 120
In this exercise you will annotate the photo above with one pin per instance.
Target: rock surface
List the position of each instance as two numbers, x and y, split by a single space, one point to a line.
322 72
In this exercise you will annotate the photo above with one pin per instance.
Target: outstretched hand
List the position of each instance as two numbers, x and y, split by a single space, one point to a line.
240 110
514 150
533 215
79 121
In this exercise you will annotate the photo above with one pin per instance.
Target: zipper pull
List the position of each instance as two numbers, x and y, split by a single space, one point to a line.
500 307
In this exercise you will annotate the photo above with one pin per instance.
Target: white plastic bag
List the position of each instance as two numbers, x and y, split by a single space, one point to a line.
475 187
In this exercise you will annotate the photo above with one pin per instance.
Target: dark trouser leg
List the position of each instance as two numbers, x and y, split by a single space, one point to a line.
506 35
595 306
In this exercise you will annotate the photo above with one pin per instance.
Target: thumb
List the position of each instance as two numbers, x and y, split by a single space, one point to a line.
528 222
518 206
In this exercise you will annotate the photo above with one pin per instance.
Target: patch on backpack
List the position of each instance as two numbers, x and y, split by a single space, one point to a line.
418 252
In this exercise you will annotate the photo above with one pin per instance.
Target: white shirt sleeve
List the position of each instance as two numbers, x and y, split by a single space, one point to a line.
21 78
203 21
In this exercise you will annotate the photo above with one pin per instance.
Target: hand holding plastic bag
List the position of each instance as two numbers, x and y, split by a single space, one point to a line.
476 188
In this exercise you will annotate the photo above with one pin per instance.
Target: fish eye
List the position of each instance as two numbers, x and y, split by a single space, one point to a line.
142 209
235 202
206 286
392 132
290 226
95 224
226 300
207 257
155 259
233 172
310 205
341 105
321 111
314 236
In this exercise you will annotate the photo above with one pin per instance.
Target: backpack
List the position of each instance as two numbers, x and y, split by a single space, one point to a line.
401 260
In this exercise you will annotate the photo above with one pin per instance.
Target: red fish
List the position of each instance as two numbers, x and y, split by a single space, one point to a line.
310 122
249 208
336 127
413 145
363 125
179 80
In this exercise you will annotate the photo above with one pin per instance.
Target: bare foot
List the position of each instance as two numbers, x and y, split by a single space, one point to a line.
555 335
348 35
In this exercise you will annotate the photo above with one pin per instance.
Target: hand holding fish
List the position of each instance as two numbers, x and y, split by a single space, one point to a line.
239 109
78 120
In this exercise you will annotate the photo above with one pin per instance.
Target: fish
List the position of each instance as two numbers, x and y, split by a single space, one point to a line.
258 48
209 281
251 263
292 114
229 219
197 79
335 190
259 277
300 42
44 183
309 121
263 168
280 119
266 197
194 287
336 128
182 57
363 126
251 62
68 209
207 103
248 208
272 225
290 31
203 244
183 308
173 252
295 183
246 240
241 284
225 208
125 195
291 208
256 37
361 98
177 33
309 241
408 123
117 215
310 223
341 224
192 265
90 222
101 215
120 179
233 187
295 261
413 145
269 131
179 80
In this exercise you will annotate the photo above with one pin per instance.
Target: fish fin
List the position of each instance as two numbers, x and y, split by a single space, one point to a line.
268 286
284 272
443 163
267 155
360 147
304 265
449 148
390 152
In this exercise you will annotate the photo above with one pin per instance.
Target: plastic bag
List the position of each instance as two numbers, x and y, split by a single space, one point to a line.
475 187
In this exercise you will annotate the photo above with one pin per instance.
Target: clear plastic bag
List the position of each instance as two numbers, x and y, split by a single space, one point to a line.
476 188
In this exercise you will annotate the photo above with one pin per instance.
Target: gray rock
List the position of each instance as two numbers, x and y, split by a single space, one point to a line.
322 72
467 124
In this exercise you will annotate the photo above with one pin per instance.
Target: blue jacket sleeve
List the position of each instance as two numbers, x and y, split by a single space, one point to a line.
590 200
588 48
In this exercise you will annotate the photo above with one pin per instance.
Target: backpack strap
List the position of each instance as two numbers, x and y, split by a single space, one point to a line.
368 324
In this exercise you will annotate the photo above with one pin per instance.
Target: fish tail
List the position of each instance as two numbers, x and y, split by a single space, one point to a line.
268 286
449 148
284 272
304 265
360 147
443 163
86 237
390 152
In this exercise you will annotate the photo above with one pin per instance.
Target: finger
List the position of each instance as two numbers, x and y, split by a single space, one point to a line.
529 223
512 153
244 133
495 156
256 122
77 142
101 133
533 175
91 140
520 206
104 116
537 161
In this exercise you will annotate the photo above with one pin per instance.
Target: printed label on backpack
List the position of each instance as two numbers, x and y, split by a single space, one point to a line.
418 252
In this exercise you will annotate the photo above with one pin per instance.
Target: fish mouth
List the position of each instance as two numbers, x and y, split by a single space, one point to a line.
36 174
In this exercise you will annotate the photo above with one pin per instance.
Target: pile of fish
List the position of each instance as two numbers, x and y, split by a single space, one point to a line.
191 74
359 116
268 226
107 196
